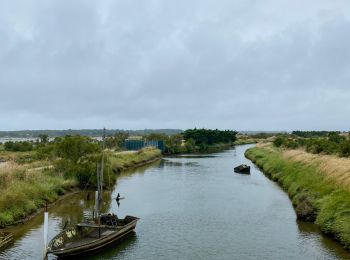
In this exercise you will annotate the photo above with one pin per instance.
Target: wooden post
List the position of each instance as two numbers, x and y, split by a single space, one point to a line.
46 227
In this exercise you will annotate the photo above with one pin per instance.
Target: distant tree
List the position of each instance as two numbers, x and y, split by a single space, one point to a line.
43 138
204 137
117 140
74 147
22 146
335 137
190 145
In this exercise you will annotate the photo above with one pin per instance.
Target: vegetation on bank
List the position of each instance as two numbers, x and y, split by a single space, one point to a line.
55 168
314 189
122 161
25 188
196 141
33 173
241 141
332 143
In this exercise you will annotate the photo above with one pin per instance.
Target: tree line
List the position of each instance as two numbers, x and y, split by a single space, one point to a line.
332 143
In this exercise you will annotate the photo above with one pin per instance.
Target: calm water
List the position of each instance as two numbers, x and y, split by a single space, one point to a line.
194 207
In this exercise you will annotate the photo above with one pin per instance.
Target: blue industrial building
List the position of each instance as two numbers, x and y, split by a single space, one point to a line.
132 144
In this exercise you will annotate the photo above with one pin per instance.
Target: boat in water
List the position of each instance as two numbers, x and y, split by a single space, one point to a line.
86 238
243 168
90 236
6 239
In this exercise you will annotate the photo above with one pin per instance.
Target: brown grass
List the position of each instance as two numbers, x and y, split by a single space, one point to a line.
335 169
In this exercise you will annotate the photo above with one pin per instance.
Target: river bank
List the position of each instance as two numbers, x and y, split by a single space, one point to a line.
27 189
246 213
318 185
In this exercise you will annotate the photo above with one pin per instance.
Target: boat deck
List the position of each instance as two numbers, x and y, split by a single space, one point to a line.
89 238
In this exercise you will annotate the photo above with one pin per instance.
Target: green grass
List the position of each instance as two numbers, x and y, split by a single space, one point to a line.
123 161
24 190
19 157
314 198
245 141
24 193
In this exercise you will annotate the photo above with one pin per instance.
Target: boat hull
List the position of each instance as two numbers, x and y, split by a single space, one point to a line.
244 169
6 239
114 237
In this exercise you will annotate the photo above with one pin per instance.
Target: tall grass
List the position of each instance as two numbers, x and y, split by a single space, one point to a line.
122 161
24 191
25 187
314 188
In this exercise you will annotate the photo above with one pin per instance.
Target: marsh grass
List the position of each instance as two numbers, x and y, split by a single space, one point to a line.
318 186
122 161
26 187
241 141
19 157
24 191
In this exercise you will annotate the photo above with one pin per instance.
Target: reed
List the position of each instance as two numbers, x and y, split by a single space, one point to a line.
24 190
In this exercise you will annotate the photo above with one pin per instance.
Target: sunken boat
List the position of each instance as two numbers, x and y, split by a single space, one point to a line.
243 168
103 230
6 239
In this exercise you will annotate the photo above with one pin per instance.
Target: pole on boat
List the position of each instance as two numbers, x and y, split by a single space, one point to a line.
102 162
100 181
46 228
96 205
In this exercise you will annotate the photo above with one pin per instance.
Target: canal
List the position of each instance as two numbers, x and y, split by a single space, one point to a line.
192 207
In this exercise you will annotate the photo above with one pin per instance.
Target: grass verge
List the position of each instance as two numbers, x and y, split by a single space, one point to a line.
123 161
24 191
245 141
315 197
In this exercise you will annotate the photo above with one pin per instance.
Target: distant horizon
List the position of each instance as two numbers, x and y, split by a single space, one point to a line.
174 129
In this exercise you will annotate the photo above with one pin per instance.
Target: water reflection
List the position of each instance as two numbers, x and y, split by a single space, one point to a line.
186 205
310 232
194 156
172 163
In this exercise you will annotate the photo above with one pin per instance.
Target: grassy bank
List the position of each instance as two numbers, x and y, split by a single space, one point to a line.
318 192
244 141
126 160
25 188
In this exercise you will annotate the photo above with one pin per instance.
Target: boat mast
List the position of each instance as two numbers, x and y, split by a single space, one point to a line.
102 163
99 172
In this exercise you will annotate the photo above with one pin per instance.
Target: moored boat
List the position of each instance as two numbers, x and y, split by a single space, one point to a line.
90 236
6 239
243 168
85 238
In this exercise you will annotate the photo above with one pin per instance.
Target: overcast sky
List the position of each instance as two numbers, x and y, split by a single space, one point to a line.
134 64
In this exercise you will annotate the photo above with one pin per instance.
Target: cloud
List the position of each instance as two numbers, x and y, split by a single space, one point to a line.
277 65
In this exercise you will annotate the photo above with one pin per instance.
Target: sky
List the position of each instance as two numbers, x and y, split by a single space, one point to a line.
135 64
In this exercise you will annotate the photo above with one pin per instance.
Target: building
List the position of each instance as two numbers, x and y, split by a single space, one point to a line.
134 144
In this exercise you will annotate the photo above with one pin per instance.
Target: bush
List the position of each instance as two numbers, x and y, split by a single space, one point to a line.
22 146
332 144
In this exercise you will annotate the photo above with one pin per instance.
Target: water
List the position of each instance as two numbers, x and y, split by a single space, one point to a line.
193 207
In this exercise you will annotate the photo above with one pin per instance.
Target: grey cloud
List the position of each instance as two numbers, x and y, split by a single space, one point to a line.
277 65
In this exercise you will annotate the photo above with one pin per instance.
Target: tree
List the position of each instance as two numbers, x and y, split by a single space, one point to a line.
43 138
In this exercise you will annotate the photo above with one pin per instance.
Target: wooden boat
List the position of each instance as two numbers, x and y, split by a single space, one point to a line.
85 238
6 239
243 168
88 237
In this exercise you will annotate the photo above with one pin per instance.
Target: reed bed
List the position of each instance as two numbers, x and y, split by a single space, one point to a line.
335 169
23 191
